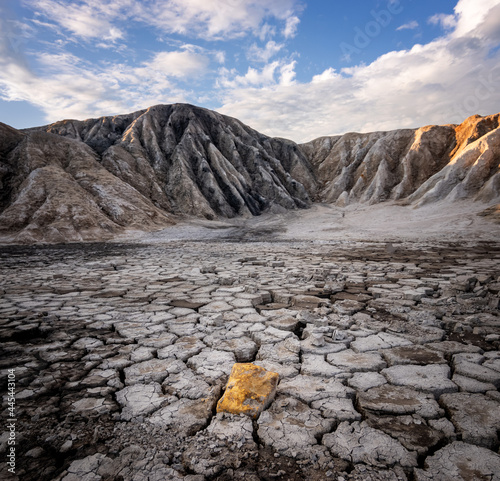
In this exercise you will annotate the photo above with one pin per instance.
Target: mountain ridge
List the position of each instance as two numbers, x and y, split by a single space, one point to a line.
91 179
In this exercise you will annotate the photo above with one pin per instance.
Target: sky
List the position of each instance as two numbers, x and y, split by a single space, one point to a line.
298 69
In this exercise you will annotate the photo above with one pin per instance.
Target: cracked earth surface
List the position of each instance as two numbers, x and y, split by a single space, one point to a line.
388 357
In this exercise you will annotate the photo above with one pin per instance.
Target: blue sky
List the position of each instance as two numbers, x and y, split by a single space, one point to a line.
289 68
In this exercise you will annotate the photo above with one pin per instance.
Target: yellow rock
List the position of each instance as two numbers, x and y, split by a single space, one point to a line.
250 389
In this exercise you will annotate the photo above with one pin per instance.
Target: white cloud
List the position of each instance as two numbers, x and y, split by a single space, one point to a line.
471 14
267 31
287 73
468 16
446 21
328 74
220 56
177 64
409 26
275 73
209 19
88 20
264 54
68 87
291 26
253 77
215 18
444 81
63 85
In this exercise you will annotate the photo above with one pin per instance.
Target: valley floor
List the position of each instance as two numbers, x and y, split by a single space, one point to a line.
387 222
387 347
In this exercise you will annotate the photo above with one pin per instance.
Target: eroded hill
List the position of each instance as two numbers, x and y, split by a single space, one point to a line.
89 180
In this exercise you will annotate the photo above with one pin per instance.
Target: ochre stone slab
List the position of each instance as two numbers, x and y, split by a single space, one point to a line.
250 389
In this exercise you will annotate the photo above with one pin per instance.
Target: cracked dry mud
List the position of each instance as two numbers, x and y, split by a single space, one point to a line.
388 359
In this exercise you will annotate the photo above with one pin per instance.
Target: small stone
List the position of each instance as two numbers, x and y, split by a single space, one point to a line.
308 302
348 307
67 445
317 339
36 452
250 389
362 381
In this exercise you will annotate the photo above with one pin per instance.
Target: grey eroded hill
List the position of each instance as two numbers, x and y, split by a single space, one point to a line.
193 161
90 180
55 190
418 166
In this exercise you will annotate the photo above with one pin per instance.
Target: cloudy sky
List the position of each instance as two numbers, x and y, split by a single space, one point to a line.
291 68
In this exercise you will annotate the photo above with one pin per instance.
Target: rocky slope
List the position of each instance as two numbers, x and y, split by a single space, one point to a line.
418 166
83 180
54 190
193 161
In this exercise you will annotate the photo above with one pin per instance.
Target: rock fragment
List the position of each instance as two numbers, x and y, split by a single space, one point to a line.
312 388
221 445
477 418
411 431
140 400
352 361
185 416
387 399
478 372
460 461
382 340
413 355
211 364
249 390
432 378
359 443
291 428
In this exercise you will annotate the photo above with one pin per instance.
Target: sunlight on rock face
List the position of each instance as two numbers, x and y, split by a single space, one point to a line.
250 389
